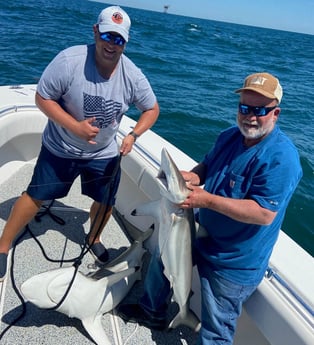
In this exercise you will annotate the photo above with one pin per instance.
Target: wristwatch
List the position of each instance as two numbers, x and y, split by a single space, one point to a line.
134 135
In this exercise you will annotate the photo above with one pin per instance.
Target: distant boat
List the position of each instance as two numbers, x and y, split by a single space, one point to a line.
166 8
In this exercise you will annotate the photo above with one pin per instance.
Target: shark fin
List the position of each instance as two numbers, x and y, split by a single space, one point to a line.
188 319
36 288
94 328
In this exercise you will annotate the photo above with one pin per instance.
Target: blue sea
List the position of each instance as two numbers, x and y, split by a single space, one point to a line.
194 65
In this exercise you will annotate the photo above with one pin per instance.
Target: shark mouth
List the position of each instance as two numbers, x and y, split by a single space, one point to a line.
162 178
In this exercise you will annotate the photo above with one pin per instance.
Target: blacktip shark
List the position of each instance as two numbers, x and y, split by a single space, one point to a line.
91 295
177 231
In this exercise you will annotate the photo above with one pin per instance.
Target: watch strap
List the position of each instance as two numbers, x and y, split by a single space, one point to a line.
134 135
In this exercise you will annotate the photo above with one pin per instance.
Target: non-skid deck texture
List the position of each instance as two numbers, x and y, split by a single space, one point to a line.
39 326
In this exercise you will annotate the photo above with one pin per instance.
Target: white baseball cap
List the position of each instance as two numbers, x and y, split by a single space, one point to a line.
114 19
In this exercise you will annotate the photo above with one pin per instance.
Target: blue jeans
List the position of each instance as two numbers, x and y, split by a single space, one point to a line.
221 306
221 301
157 291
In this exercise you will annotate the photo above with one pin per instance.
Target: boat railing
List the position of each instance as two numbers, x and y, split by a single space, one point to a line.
16 108
282 286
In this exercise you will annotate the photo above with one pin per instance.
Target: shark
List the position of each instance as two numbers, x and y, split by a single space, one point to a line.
90 295
177 231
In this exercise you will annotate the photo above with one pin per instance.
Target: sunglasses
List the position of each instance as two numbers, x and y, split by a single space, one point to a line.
117 40
245 109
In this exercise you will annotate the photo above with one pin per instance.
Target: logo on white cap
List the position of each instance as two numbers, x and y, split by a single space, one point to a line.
117 18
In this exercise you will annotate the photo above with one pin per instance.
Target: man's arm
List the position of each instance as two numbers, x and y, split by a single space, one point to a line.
146 121
242 210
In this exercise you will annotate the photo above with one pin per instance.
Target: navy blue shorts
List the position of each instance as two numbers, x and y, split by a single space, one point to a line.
53 177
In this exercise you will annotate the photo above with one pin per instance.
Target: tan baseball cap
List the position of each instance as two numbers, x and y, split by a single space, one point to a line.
263 83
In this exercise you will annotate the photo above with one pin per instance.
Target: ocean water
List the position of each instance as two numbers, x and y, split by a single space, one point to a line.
194 65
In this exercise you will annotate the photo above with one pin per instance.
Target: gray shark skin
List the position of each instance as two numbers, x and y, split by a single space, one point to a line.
131 257
176 234
91 295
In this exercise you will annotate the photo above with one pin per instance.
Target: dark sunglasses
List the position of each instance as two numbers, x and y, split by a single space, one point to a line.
117 40
245 109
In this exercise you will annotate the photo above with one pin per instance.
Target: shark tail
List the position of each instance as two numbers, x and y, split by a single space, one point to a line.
187 318
94 328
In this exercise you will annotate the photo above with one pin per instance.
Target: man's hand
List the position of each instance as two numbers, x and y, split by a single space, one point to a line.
191 177
198 197
86 130
127 144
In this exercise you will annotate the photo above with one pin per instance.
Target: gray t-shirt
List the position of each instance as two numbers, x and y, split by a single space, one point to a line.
72 79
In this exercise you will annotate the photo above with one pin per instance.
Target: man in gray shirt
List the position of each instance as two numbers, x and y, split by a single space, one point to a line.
84 92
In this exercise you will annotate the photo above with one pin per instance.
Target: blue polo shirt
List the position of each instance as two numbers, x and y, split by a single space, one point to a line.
267 173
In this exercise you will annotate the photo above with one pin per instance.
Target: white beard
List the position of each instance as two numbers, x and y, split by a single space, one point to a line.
253 130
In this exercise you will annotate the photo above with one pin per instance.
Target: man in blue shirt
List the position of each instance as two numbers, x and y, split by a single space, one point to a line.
249 177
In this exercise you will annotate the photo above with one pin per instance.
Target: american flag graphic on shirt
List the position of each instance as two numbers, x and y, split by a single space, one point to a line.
107 112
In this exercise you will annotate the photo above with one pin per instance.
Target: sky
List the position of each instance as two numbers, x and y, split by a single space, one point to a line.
288 15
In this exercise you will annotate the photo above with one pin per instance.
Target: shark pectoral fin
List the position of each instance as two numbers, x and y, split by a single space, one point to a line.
36 294
151 208
58 286
83 289
187 318
94 328
35 289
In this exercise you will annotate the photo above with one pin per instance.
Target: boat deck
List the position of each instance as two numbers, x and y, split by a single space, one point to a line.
40 326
